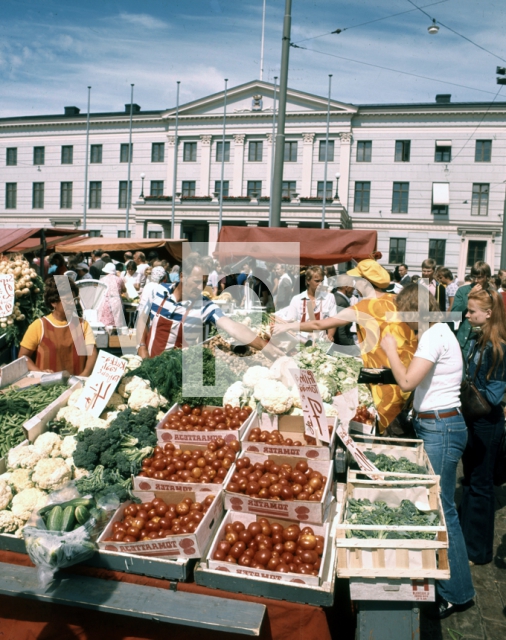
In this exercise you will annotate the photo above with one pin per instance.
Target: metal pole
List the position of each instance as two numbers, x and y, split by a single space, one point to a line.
262 44
503 238
326 156
129 191
220 217
85 207
273 144
174 173
280 136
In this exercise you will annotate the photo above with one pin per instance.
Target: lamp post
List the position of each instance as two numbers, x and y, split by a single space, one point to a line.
143 175
85 208
174 173
129 189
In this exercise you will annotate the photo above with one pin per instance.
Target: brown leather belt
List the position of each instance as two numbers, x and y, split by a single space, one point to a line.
431 415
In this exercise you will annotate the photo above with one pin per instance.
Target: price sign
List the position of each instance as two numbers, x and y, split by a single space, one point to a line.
6 294
100 386
315 420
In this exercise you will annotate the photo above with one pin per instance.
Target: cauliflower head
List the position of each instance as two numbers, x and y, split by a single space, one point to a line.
5 494
51 474
273 396
144 397
236 394
256 374
296 411
71 414
114 401
296 398
68 446
9 522
90 422
21 479
25 457
26 501
48 444
74 397
324 392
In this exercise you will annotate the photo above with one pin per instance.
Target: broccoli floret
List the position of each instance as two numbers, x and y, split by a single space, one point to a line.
92 483
124 465
129 441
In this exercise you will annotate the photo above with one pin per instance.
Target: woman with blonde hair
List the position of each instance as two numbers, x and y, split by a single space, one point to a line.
487 366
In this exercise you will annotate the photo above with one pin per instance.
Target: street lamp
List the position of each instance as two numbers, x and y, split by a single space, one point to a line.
143 175
336 197
433 29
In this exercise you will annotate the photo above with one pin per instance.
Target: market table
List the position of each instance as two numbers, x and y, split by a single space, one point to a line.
24 619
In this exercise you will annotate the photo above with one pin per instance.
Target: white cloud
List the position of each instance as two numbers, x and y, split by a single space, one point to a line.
143 20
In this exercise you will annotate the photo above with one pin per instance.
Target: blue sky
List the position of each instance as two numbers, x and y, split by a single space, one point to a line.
51 50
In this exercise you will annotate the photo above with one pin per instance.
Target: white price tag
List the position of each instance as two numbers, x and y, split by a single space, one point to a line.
6 294
363 462
100 386
315 420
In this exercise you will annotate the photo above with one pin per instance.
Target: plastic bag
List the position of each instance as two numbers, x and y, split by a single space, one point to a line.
53 550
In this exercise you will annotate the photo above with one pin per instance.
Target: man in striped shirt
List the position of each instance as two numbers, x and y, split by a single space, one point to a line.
175 323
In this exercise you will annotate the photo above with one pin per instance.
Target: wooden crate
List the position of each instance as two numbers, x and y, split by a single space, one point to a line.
390 558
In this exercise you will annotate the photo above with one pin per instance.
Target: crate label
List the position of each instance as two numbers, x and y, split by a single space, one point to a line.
100 386
315 420
421 590
6 294
185 437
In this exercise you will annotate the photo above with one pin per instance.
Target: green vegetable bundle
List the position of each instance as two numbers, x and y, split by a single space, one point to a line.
378 513
165 374
19 405
388 463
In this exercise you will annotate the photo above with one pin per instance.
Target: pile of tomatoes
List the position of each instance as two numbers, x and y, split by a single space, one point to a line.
210 465
272 437
363 415
262 545
209 419
157 519
272 481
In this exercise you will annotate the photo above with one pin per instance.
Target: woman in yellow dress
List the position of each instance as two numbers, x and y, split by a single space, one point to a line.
371 316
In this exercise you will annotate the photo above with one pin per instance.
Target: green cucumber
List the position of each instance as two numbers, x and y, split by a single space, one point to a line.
68 518
82 514
55 519
75 502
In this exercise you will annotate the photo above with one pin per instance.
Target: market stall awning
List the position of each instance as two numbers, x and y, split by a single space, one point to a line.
173 248
28 240
317 246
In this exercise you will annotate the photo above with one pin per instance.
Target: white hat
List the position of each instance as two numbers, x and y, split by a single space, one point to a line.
109 268
344 280
158 274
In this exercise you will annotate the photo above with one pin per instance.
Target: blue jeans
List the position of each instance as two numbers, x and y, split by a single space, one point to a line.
445 440
477 510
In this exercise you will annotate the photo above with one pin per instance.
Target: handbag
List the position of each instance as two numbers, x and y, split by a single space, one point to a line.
376 376
473 405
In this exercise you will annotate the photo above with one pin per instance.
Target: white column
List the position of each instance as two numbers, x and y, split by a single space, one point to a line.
307 164
177 231
213 237
267 190
344 168
238 164
205 164
170 166
139 229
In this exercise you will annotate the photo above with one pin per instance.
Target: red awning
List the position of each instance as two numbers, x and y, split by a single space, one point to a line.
317 246
28 240
171 248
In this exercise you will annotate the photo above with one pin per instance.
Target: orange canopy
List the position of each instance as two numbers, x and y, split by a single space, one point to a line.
317 246
119 245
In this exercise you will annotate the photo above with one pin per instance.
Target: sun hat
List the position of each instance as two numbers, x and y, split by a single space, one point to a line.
109 268
158 274
371 271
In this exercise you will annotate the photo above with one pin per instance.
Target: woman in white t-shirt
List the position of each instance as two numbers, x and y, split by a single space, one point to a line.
435 373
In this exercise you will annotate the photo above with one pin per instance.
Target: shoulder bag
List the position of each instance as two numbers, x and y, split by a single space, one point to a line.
474 405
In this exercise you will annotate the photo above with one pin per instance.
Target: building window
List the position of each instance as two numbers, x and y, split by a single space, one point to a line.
156 188
219 148
66 195
125 194
397 250
321 151
255 151
190 152
479 205
288 189
67 154
123 153
95 200
364 151
290 152
440 198
123 234
157 151
96 154
11 195
217 187
12 157
38 155
95 233
254 187
38 195
400 197
328 188
188 187
443 151
362 197
483 151
154 234
402 150
437 250
476 251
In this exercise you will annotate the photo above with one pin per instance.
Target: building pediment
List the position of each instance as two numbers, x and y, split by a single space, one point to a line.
257 97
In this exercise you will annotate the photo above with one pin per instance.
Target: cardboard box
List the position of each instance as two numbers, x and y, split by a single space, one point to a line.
291 427
152 484
197 437
248 572
299 510
186 545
